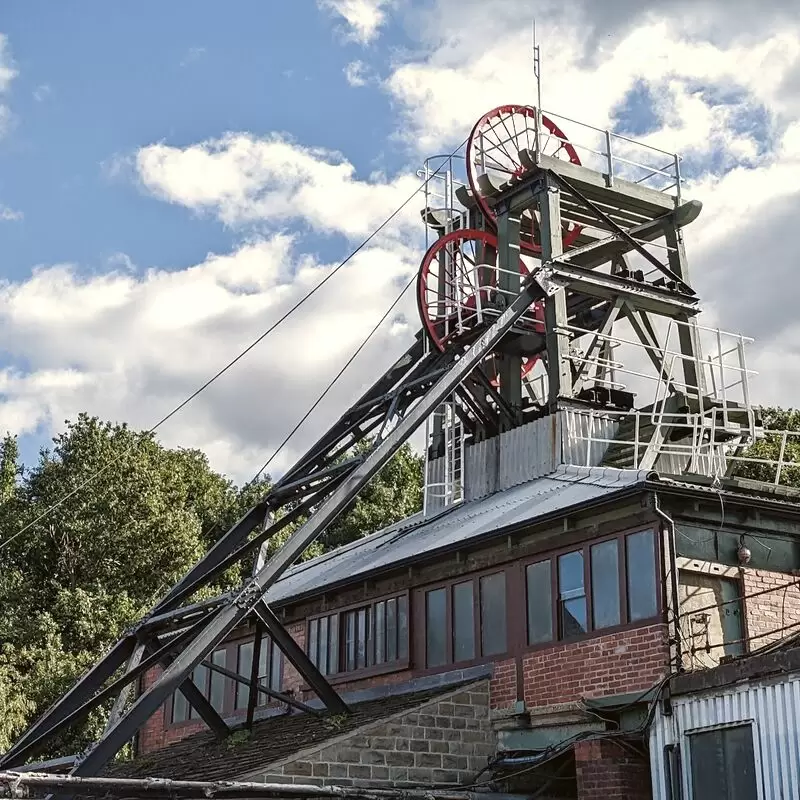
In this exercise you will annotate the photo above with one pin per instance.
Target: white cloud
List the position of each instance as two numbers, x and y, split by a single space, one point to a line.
42 92
10 215
132 345
245 179
7 74
192 55
357 74
363 17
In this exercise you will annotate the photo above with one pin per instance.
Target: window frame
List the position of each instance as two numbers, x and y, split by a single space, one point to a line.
419 620
585 547
339 613
229 709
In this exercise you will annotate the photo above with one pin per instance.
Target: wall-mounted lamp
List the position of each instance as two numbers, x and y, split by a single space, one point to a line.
743 552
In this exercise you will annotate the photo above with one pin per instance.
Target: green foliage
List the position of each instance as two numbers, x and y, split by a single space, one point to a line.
80 575
774 447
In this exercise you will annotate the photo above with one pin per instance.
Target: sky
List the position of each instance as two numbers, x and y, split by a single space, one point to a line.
174 176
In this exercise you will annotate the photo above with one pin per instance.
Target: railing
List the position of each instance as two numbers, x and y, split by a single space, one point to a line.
768 456
618 156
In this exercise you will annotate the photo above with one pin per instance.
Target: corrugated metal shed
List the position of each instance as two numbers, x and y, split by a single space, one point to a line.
563 489
773 707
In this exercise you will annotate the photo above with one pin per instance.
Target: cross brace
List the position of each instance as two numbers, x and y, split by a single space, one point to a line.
409 392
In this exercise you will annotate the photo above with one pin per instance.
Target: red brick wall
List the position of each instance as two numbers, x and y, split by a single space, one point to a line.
616 663
773 610
608 770
503 687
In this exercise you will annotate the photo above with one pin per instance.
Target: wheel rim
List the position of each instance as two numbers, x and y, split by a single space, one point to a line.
495 143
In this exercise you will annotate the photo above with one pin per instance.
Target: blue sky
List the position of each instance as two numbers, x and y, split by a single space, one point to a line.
99 80
174 175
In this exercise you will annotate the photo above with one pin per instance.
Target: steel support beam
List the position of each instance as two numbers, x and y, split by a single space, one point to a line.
196 699
73 699
509 283
597 342
621 232
298 658
262 688
118 709
227 618
559 366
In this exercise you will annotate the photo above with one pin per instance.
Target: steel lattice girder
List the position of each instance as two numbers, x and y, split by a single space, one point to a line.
417 378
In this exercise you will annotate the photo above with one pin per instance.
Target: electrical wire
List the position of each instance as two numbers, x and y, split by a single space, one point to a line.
235 360
333 382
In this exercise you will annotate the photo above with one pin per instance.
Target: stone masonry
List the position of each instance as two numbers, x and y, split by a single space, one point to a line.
446 741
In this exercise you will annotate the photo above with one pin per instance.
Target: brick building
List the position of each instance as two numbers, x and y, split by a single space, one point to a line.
552 595
586 531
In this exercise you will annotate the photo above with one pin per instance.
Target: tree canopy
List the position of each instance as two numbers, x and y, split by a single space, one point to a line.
73 582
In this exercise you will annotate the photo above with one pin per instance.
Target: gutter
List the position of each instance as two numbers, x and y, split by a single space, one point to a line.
586 505
673 571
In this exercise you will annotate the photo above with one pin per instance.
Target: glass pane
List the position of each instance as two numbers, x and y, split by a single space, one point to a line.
244 665
463 622
641 568
605 584
350 641
572 594
402 628
361 658
723 764
216 694
313 642
493 614
380 632
322 663
370 637
540 602
436 628
275 672
180 708
333 644
200 680
391 630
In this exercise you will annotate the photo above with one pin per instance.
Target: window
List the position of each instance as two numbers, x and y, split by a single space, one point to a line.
641 568
463 621
269 670
571 595
723 765
436 627
466 620
539 582
600 585
224 693
605 585
360 638
493 614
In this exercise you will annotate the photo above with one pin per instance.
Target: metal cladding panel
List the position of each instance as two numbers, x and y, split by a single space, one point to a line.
515 456
407 540
774 709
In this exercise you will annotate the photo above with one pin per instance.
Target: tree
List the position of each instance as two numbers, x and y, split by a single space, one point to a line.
774 447
72 583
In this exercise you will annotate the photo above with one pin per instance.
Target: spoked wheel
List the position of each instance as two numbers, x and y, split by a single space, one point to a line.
459 289
495 145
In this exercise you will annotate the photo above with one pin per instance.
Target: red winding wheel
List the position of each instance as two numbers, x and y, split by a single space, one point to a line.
495 145
457 290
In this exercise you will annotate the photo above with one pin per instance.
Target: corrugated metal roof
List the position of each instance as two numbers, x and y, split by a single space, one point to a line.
411 538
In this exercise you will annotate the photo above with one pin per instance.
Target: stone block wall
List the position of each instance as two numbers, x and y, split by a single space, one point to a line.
446 741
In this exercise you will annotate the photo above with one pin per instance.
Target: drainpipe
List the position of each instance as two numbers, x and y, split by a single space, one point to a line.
673 552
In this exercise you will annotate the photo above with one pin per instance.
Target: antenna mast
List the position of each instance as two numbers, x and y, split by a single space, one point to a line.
537 71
